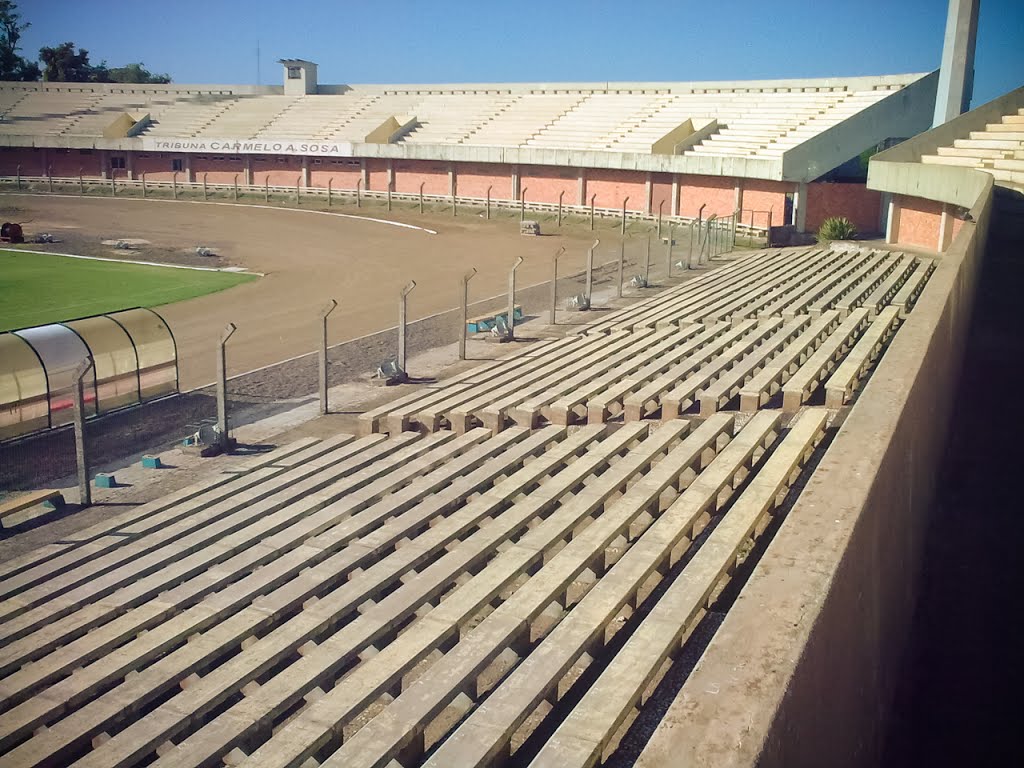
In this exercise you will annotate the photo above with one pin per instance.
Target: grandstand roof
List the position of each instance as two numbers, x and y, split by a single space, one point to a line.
747 128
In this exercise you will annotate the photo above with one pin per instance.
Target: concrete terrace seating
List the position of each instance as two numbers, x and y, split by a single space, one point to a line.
998 150
523 119
186 116
437 595
246 116
45 113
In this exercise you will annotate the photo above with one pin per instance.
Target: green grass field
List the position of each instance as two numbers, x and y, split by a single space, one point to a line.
36 289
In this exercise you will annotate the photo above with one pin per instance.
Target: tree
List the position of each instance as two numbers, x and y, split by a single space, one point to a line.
62 64
13 66
135 73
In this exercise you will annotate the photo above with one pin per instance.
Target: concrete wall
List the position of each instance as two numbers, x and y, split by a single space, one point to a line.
803 668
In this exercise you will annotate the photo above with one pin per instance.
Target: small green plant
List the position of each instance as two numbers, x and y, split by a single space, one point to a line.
836 228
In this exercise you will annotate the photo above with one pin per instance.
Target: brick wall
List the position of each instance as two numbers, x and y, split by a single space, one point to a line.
611 187
543 184
377 175
282 170
219 169
760 197
409 174
158 167
343 174
719 193
472 180
661 192
919 222
856 202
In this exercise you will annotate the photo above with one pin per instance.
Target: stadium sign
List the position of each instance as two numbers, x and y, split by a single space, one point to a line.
250 147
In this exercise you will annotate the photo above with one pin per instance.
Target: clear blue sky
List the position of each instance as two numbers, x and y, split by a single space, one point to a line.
427 41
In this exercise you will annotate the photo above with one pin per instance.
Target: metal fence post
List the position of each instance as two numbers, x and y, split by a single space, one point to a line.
589 291
512 298
624 215
401 322
389 198
81 182
465 311
49 177
522 204
421 195
236 187
647 260
174 185
668 253
660 206
592 198
455 206
560 196
81 449
298 185
359 197
266 190
143 177
329 200
330 307
622 266
488 208
19 176
223 439
206 195
113 184
554 283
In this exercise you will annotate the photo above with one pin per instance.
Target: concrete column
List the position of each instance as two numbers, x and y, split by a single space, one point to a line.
674 211
515 183
956 75
648 189
883 210
738 205
945 229
247 169
581 196
129 165
189 175
363 175
305 171
892 224
800 207
390 168
81 448
104 163
453 181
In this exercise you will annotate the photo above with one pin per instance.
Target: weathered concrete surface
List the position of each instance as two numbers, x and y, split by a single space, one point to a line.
803 668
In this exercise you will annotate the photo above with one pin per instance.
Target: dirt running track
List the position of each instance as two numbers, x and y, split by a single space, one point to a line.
308 258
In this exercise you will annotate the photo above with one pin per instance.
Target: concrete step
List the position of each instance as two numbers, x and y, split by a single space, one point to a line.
1002 135
1008 146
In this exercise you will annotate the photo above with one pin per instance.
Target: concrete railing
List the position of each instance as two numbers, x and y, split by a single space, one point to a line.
803 669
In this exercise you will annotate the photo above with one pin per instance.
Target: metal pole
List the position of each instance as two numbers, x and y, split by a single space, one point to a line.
174 185
331 305
421 195
298 183
590 272
689 250
624 215
81 182
143 175
236 187
660 206
522 204
359 198
465 311
668 253
622 265
560 196
455 205
81 450
554 283
19 177
647 261
592 198
512 298
488 209
206 195
401 322
389 198
113 185
222 387
49 177
266 190
329 201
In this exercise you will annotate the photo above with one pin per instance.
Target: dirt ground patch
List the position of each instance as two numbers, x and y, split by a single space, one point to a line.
307 258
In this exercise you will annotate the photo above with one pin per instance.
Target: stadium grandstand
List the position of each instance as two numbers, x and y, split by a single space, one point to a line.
684 150
684 531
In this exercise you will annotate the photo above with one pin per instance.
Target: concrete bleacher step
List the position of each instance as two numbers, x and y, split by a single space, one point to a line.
587 733
848 376
812 373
